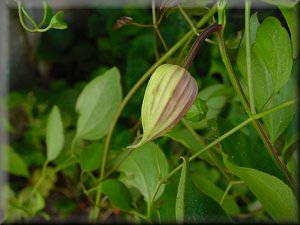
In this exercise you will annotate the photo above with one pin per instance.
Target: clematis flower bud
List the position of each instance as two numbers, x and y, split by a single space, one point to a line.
170 93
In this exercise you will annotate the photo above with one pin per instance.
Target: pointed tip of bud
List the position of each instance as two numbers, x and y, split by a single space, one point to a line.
139 144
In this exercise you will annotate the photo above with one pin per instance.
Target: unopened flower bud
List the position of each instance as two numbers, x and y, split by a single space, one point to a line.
170 93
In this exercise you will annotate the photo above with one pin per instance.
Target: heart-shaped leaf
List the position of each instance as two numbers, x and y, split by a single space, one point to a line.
276 197
57 21
15 165
193 206
117 193
291 15
144 168
97 104
55 134
273 47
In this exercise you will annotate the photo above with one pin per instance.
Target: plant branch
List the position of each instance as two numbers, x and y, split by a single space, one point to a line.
202 142
154 30
199 41
183 49
186 17
231 73
278 107
258 126
248 56
228 189
40 180
20 12
161 38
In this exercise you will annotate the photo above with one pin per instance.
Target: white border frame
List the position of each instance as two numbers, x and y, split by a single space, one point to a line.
5 5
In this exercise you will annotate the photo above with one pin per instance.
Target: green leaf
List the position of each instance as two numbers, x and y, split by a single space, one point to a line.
179 205
286 3
241 57
246 150
209 188
273 48
117 193
54 134
166 203
193 206
270 58
197 112
200 207
97 104
291 16
276 197
292 137
262 82
49 13
278 121
215 97
144 168
91 156
16 164
57 21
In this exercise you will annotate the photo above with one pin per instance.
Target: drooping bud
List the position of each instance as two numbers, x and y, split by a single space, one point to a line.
170 93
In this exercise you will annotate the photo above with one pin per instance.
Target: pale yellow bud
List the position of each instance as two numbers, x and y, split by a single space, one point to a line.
170 93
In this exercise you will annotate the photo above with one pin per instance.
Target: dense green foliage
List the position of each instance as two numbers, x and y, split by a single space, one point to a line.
232 158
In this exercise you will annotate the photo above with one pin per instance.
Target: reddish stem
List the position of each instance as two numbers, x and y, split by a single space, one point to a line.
199 41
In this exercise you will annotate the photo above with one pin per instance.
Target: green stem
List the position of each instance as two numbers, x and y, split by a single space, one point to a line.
183 50
45 6
133 212
29 18
228 189
202 142
70 161
142 25
161 38
186 17
181 42
231 74
248 56
42 177
153 12
278 107
221 138
26 210
154 30
44 29
148 211
221 12
118 162
20 12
